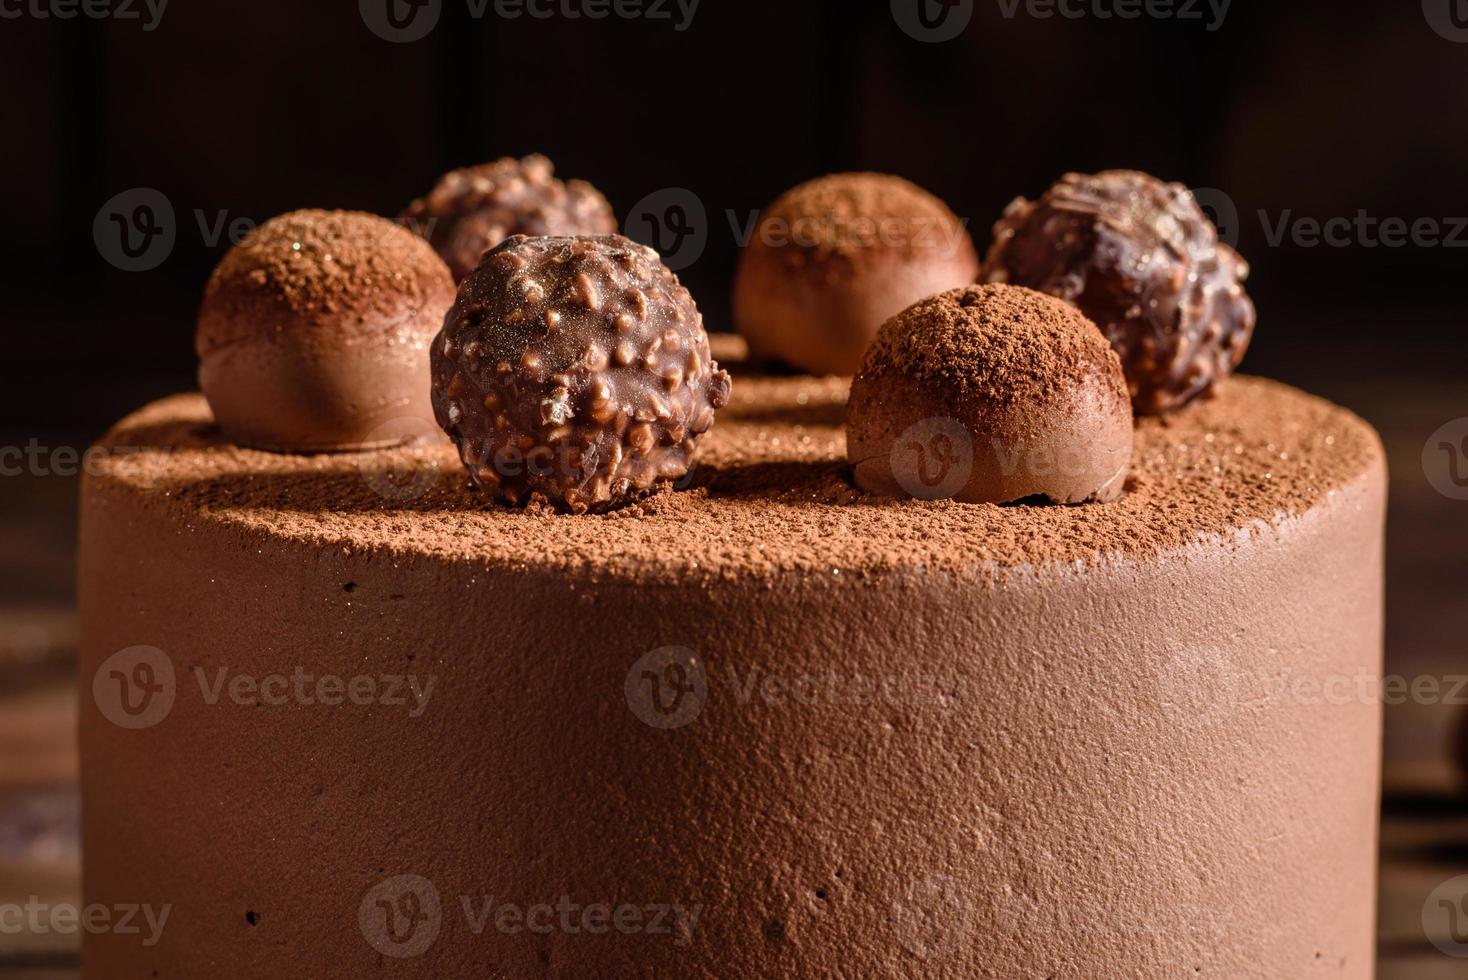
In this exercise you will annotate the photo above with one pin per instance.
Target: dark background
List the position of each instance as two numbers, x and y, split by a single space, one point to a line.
1305 109
253 108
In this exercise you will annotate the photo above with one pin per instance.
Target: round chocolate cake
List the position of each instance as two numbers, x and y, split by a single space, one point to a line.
349 715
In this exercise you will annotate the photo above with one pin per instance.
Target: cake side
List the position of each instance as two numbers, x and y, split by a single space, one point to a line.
919 739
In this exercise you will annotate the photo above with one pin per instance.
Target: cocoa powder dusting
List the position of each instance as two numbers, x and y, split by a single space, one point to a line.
344 270
1024 342
838 221
772 494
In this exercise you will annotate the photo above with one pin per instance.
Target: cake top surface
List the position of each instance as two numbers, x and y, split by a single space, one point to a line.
771 493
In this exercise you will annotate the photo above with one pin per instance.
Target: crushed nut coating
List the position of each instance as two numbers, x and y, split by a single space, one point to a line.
577 369
473 209
1141 259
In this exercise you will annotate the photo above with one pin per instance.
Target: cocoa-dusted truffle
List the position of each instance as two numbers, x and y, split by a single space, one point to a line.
471 210
834 258
313 334
1140 258
576 368
991 394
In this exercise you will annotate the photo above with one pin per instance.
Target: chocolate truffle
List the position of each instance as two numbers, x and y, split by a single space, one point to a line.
575 368
313 334
471 210
991 394
834 258
1141 259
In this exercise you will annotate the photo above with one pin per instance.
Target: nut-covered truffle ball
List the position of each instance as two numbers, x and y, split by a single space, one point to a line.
314 331
991 394
576 368
1140 258
471 210
834 258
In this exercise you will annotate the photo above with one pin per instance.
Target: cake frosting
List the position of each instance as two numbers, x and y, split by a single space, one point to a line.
899 737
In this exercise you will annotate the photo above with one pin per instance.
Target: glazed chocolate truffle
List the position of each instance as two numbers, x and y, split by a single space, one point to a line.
991 394
1143 261
314 331
834 258
473 209
577 369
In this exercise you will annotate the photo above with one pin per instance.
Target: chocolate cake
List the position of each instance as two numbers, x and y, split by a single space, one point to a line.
352 714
